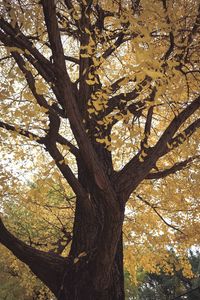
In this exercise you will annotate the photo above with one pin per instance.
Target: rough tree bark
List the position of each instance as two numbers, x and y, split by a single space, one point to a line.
85 279
94 268
80 275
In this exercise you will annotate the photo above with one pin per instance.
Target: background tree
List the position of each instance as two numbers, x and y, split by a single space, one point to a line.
167 286
110 90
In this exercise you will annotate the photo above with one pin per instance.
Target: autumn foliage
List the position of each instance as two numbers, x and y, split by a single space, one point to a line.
99 131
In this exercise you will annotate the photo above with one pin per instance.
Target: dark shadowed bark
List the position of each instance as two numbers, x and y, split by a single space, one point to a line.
94 268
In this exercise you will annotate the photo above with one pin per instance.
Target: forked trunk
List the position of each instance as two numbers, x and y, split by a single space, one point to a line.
85 276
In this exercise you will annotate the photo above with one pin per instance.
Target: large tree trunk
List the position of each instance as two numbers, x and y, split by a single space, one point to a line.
94 268
78 281
95 234
73 278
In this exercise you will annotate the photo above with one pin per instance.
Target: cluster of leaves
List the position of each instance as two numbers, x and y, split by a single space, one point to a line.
169 225
133 68
40 214
161 286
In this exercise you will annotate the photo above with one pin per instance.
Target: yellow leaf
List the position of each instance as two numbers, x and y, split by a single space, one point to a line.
84 55
141 159
27 52
153 74
31 137
143 153
66 162
76 260
170 146
61 161
87 30
91 110
82 254
76 17
101 141
90 82
96 62
97 105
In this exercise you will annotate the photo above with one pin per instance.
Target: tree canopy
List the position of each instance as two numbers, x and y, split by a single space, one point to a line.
103 97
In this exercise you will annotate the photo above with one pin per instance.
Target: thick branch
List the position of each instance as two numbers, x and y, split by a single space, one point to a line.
63 141
22 42
66 171
22 132
182 137
49 9
175 125
87 151
175 168
137 169
46 266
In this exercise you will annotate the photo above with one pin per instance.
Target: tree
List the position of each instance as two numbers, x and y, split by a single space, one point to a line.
167 286
110 90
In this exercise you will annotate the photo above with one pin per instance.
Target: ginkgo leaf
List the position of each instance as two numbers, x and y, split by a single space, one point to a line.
84 55
87 30
90 82
66 162
153 74
82 254
76 17
61 162
76 259
169 145
91 110
96 61
97 105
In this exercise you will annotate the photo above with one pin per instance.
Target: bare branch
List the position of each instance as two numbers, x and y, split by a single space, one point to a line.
159 215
